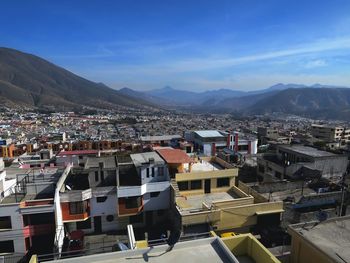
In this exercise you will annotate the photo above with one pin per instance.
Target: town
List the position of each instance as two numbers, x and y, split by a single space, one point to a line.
257 189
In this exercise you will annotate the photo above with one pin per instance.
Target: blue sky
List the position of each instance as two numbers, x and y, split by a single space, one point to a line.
194 45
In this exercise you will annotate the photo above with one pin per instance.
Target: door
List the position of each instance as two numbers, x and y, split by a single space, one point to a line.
97 224
149 218
207 186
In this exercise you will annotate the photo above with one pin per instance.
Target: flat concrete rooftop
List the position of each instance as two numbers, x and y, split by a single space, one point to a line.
331 236
306 150
204 166
194 202
198 251
142 158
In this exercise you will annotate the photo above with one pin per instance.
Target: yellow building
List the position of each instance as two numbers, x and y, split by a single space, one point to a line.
206 195
247 248
321 242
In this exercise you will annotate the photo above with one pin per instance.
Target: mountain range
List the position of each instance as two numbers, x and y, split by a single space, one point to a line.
29 80
316 101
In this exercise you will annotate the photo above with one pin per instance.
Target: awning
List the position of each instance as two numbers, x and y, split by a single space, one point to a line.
259 213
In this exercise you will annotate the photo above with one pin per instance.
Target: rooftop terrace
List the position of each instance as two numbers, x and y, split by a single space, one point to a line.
310 151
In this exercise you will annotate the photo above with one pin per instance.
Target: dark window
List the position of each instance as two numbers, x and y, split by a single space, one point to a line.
102 176
242 147
155 194
196 184
152 171
5 222
223 182
76 208
84 224
160 171
147 172
7 246
183 186
96 176
136 219
101 199
80 157
133 202
261 169
27 242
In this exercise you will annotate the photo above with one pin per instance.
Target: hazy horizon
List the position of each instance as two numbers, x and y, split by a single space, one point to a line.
241 45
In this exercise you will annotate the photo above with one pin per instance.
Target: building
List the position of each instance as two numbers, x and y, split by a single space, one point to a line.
266 134
321 242
206 197
209 141
77 158
242 143
327 133
236 249
27 213
111 192
161 140
300 162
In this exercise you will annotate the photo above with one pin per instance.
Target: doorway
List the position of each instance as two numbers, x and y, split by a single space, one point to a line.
97 224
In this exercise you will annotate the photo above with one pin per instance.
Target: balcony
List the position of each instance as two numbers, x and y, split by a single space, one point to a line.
130 206
75 211
76 195
37 206
129 191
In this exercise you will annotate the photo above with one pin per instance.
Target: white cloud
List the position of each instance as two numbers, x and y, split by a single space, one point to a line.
315 63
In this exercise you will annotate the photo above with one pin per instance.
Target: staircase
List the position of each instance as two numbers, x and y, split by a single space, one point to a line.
175 187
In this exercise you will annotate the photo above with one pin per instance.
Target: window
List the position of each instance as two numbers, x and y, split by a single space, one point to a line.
183 186
5 222
133 202
147 172
84 224
102 176
152 171
155 194
223 182
96 176
76 208
7 246
196 184
101 199
160 171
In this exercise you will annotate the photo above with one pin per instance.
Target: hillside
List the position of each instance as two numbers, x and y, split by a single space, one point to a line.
325 103
26 79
